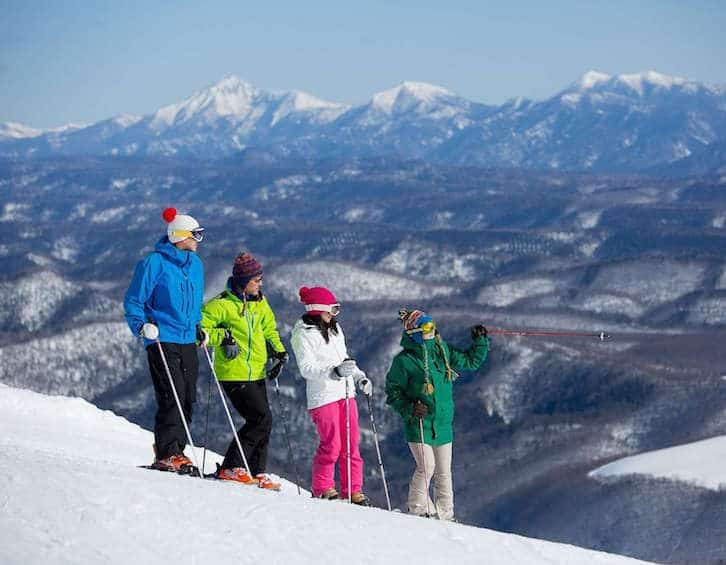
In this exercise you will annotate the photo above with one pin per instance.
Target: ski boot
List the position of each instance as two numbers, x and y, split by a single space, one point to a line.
330 494
177 463
236 474
265 481
360 499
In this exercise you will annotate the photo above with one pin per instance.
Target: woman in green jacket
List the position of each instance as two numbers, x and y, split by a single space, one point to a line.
241 326
419 386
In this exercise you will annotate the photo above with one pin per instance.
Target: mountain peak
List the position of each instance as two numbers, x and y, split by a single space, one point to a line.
230 82
231 96
636 81
407 93
591 79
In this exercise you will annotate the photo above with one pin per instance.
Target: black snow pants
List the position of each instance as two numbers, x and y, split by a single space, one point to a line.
250 400
169 433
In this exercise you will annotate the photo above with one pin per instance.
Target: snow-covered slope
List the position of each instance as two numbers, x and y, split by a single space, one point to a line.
71 493
700 463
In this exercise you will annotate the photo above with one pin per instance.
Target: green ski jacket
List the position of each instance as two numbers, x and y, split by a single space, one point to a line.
406 382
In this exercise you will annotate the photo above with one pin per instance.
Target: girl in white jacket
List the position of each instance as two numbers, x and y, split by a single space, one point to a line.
319 346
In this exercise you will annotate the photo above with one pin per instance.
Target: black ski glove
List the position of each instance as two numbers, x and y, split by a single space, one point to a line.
478 331
282 356
275 369
279 358
420 410
202 337
229 346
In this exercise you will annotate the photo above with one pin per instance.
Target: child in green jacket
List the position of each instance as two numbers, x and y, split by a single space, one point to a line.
241 324
419 386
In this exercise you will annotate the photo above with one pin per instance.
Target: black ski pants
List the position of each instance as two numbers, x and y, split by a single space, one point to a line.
250 401
169 434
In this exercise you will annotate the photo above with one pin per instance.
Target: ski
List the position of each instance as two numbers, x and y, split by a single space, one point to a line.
190 470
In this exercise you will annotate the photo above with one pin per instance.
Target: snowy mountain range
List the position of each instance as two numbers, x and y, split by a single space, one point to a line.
628 122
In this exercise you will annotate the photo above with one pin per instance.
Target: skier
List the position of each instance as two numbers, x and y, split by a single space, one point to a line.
163 303
242 327
419 387
320 351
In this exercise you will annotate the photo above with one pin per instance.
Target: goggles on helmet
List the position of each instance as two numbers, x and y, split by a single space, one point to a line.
197 234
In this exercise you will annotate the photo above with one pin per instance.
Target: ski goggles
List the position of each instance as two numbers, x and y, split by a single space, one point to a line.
425 328
334 309
197 234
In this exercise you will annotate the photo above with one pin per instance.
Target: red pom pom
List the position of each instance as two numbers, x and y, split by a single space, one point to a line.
169 214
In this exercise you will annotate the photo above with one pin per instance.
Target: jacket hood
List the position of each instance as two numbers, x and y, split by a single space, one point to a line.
170 251
300 324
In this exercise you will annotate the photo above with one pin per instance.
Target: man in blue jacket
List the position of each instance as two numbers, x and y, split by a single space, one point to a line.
164 302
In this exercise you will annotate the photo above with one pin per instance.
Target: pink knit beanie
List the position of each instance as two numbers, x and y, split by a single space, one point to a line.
317 299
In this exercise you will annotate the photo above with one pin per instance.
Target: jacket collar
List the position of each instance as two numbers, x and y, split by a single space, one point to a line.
408 343
237 297
171 252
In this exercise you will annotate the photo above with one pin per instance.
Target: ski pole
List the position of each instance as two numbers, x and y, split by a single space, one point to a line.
226 410
602 336
206 424
347 436
423 462
291 454
179 406
378 451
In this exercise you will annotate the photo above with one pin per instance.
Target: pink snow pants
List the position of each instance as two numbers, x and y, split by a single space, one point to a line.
330 421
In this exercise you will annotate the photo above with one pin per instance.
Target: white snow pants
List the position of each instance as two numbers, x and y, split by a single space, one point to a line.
438 465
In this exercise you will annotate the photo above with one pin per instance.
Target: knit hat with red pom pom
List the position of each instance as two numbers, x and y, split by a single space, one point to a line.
181 227
318 300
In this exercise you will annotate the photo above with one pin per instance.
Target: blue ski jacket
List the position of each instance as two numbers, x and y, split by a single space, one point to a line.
166 290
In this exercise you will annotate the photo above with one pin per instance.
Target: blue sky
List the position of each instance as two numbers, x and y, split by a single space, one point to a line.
84 61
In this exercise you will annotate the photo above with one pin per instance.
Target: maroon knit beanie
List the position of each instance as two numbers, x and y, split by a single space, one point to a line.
245 268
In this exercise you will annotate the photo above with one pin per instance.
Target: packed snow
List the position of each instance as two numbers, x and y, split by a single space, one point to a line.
84 361
636 81
31 301
699 463
721 283
592 78
650 283
605 303
710 311
349 282
502 391
72 493
15 212
416 258
507 293
15 130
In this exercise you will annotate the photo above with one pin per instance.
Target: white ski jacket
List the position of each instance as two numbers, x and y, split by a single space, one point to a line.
316 361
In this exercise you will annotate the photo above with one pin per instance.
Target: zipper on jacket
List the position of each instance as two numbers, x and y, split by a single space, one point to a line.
249 343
